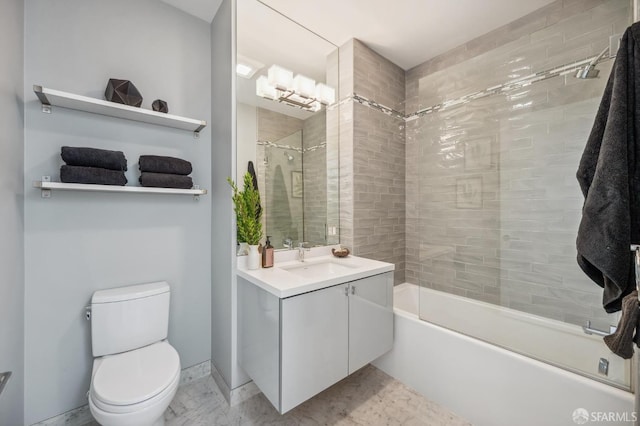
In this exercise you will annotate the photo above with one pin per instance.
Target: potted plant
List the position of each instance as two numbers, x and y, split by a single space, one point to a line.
246 204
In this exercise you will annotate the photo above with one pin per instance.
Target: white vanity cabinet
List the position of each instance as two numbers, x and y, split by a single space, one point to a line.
370 319
295 347
314 343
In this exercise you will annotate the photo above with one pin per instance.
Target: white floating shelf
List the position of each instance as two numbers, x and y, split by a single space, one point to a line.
50 97
47 186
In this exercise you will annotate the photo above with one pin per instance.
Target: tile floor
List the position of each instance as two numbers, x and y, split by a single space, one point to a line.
367 397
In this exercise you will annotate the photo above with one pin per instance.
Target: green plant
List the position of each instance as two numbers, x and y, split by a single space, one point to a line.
246 204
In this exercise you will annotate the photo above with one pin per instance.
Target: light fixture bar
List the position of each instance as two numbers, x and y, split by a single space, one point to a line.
300 91
289 98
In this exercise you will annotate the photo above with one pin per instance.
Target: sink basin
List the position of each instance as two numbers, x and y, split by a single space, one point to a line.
328 268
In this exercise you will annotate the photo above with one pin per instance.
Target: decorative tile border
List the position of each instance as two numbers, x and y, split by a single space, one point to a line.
489 91
277 145
375 105
291 148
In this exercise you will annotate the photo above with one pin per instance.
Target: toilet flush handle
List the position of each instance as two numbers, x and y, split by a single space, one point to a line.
87 312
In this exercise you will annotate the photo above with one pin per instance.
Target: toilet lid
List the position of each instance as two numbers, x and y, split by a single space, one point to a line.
135 376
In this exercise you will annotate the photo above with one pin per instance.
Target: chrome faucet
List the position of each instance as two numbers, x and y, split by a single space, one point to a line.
301 250
288 243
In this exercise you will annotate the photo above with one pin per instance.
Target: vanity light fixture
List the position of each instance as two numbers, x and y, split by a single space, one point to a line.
300 91
247 67
244 70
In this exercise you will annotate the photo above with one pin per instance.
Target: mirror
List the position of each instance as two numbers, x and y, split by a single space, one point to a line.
290 131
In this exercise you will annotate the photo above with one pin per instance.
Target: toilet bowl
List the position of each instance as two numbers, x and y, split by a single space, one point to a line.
136 387
135 376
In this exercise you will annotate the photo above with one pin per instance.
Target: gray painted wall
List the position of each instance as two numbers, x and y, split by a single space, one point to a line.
76 243
11 211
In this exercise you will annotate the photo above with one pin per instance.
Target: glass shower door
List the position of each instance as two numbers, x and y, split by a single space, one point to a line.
498 142
284 190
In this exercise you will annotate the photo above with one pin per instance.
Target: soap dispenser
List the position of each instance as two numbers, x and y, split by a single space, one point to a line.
267 254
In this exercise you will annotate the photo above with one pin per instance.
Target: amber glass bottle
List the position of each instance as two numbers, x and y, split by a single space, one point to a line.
267 254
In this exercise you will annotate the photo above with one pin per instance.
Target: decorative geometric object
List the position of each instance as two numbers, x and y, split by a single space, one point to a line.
160 106
123 92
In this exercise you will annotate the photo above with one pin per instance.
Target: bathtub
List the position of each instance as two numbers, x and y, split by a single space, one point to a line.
489 385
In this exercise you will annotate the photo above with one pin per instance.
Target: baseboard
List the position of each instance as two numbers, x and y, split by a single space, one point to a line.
195 372
76 417
82 415
237 395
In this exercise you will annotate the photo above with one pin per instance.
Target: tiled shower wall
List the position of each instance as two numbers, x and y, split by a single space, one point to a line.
289 213
492 201
314 141
372 158
283 216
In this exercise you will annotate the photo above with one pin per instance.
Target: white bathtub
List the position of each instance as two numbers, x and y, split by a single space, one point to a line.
484 383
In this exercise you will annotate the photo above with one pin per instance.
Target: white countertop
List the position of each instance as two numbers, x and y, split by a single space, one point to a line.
283 283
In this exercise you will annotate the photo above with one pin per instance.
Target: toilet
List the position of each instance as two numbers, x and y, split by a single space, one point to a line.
135 370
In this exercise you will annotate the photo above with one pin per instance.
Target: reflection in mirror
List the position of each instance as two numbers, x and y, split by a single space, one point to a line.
282 163
290 131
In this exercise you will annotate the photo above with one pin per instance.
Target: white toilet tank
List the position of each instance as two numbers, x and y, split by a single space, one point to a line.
127 318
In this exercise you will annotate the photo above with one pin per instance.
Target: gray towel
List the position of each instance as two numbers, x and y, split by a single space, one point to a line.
610 180
94 157
163 180
91 175
621 342
168 165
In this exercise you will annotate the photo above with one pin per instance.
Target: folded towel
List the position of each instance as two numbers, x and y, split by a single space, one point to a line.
92 175
164 180
621 342
94 157
169 165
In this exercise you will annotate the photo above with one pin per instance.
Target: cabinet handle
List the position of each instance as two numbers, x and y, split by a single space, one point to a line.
346 291
353 289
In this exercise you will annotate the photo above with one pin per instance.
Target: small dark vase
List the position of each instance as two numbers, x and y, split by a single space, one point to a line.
123 92
160 106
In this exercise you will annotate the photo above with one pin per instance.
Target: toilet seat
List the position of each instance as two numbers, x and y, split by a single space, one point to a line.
129 381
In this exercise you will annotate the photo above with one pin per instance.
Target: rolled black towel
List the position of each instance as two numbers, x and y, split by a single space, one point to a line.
94 157
168 165
92 175
165 180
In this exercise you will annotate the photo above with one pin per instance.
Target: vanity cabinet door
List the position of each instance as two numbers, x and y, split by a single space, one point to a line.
370 319
314 343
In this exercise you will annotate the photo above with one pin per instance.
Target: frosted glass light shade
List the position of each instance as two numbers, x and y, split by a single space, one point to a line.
304 86
280 78
243 70
264 89
325 94
315 106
